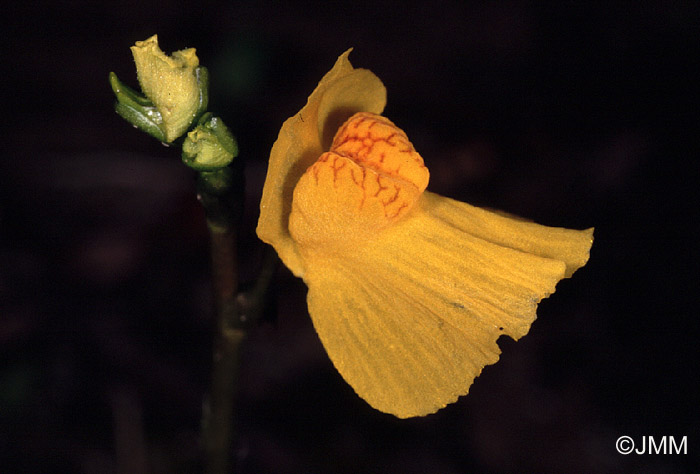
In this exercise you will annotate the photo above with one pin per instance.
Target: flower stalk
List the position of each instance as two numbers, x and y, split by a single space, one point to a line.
218 424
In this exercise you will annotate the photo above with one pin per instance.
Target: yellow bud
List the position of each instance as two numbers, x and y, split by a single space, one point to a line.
170 82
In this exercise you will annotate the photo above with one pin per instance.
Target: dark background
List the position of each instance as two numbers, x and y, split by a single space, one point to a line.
573 114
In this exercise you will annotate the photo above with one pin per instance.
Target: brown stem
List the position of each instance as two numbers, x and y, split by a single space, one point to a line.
219 425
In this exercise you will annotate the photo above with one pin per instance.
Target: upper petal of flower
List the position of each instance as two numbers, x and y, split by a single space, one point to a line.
342 92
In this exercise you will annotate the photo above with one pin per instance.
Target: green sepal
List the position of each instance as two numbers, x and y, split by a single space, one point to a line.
210 146
202 74
136 109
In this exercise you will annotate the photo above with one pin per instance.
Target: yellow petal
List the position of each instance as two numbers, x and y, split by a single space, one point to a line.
568 245
170 82
410 318
342 92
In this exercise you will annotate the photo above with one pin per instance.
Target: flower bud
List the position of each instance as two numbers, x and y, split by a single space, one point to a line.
171 83
210 145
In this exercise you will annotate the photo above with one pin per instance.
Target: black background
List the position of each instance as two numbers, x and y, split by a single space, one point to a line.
575 114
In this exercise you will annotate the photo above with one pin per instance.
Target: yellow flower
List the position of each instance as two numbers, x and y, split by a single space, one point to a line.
408 290
170 82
